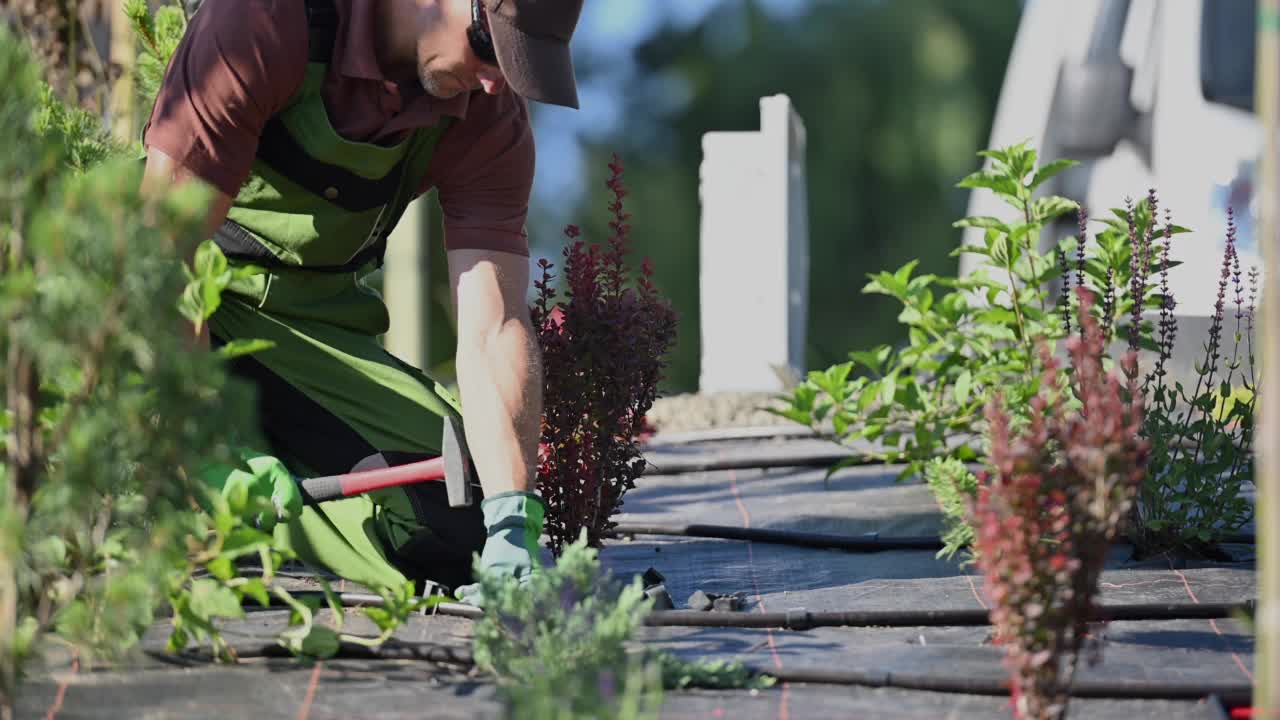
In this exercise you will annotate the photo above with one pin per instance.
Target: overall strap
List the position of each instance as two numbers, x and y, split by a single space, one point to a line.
322 29
279 149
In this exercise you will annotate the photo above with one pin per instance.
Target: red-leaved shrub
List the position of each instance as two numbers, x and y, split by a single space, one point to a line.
603 347
1047 515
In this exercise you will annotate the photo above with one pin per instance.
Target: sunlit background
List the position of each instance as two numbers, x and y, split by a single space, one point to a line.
897 98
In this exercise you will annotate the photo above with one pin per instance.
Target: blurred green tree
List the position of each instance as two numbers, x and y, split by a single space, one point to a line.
896 97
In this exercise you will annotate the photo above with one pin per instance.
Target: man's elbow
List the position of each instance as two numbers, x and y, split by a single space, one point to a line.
163 173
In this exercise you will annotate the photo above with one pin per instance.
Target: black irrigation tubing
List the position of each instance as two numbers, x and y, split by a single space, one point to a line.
805 620
462 658
871 542
354 599
681 466
389 650
1232 693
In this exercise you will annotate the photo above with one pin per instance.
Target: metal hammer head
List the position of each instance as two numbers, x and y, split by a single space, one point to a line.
459 472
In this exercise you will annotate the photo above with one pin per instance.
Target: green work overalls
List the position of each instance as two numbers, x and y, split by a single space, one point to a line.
316 212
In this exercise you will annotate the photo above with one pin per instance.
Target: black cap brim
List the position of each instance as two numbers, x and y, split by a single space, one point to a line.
536 68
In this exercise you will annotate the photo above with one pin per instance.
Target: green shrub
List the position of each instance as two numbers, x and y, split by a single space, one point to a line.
924 400
955 488
558 645
107 409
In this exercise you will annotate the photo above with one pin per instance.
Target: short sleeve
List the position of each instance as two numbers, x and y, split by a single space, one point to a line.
238 64
483 169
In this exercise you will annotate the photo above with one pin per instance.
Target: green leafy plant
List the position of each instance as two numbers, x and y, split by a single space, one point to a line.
1201 440
106 410
678 674
211 586
1049 509
558 645
159 34
925 399
108 413
603 351
955 487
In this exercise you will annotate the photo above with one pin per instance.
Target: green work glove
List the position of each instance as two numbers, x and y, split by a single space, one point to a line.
261 489
514 524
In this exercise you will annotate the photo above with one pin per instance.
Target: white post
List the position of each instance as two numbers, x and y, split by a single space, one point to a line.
754 253
405 285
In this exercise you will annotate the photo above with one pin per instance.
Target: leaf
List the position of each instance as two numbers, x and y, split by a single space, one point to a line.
893 284
321 642
982 221
244 346
970 250
1000 184
178 639
889 387
256 589
832 380
910 316
802 398
842 464
242 272
209 599
874 360
221 568
380 617
49 552
243 541
1049 208
997 316
904 273
840 424
1049 170
209 261
1000 250
964 384
210 297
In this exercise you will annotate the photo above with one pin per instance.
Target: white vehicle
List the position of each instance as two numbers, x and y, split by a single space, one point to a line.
1145 94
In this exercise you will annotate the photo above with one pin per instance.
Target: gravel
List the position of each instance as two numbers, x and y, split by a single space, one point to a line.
704 411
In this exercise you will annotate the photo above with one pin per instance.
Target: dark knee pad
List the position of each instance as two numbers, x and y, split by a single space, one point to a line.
443 552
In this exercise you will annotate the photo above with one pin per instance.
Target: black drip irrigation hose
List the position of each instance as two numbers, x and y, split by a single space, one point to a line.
389 650
806 620
870 542
463 659
1232 693
682 466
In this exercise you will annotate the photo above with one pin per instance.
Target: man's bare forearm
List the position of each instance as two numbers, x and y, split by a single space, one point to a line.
500 381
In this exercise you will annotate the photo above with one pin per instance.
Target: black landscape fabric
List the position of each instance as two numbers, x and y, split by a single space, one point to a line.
1141 655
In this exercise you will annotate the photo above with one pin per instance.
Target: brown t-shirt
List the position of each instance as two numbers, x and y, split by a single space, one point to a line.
242 60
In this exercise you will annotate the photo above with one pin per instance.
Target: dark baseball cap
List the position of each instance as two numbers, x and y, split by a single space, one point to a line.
531 40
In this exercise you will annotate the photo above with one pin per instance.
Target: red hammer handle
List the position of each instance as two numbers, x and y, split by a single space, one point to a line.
332 487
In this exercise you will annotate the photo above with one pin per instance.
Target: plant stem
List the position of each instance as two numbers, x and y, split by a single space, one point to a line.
1017 312
1031 256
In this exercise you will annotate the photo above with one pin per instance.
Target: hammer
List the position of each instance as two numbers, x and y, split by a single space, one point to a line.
453 466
